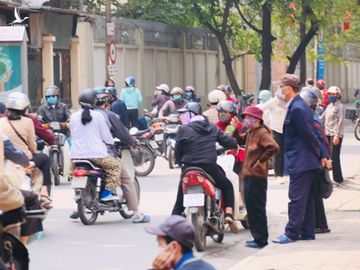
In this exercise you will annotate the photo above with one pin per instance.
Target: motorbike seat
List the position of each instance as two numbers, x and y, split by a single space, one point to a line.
198 170
86 163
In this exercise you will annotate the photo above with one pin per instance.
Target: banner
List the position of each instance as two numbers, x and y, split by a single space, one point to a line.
321 61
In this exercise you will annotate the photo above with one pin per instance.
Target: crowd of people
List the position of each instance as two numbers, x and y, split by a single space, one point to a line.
302 129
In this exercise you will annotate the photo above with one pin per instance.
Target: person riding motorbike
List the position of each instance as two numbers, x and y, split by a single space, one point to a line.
53 110
21 131
176 102
195 147
190 94
229 93
91 134
118 106
214 97
161 96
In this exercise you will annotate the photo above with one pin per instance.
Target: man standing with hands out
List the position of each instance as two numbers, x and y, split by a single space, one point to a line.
302 160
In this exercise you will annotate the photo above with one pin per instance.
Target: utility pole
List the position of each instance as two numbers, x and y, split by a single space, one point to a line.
107 36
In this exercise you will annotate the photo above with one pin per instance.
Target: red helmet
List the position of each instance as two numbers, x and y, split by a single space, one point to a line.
320 84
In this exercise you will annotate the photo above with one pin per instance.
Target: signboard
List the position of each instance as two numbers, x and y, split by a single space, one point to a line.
110 29
321 61
10 68
113 69
112 52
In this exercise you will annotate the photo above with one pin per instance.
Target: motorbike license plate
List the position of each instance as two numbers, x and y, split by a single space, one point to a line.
154 144
159 137
196 199
79 182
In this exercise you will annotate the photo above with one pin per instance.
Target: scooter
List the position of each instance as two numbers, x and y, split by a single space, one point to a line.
89 180
204 202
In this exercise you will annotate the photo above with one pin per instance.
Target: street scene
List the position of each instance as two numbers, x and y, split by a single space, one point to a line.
179 135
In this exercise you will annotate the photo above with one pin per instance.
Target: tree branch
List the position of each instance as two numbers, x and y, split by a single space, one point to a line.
202 19
252 26
242 54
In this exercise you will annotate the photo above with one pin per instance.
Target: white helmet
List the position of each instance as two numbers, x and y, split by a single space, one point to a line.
17 101
215 96
334 90
163 87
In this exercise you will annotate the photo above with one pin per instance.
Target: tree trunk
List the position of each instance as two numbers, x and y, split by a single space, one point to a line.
302 36
228 64
266 48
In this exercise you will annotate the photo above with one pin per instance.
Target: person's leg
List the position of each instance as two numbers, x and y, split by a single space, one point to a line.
43 162
112 168
299 192
133 117
179 208
308 227
255 196
337 172
279 156
129 190
320 216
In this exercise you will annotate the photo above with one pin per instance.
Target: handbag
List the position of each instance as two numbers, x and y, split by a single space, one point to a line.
325 185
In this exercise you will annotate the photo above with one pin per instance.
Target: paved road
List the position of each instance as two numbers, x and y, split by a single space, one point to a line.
115 243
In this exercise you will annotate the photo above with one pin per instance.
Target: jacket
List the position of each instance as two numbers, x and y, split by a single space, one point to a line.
212 114
12 153
301 147
132 97
54 113
195 143
119 107
334 118
42 132
259 148
159 101
277 112
171 107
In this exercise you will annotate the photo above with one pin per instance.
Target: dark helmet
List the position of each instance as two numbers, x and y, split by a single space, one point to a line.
193 107
110 90
101 95
87 98
226 106
52 90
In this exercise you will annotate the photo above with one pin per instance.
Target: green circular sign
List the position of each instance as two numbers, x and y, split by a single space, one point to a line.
2 68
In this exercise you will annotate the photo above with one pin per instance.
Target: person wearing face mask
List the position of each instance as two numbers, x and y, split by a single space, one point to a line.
214 97
259 148
275 109
161 95
53 110
176 236
176 102
118 106
196 147
190 94
265 96
334 119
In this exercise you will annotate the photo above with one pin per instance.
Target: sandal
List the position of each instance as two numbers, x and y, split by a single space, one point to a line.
232 223
45 202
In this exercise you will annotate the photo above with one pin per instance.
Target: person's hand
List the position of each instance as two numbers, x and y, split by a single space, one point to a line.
234 122
329 163
165 260
30 168
323 162
336 140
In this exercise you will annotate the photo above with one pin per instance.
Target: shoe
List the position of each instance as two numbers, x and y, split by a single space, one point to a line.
249 241
74 215
322 230
46 202
307 238
141 218
253 244
232 223
109 197
283 239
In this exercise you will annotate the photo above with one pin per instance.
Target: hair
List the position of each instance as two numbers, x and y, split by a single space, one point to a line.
86 115
310 81
109 81
184 249
15 114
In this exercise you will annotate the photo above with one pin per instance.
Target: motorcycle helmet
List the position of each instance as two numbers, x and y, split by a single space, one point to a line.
130 81
164 87
320 84
101 95
215 96
177 91
226 106
190 88
110 90
87 98
52 90
193 107
334 90
17 101
264 96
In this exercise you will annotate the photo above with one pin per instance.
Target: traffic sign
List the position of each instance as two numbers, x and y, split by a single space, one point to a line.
112 52
113 69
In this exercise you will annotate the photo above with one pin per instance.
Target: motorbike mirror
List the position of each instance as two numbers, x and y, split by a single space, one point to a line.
133 131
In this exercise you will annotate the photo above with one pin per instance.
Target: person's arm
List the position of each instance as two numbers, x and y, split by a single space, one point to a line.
155 100
14 154
67 112
225 141
139 97
120 131
269 145
323 149
104 129
341 123
164 109
179 147
269 105
42 132
40 112
305 127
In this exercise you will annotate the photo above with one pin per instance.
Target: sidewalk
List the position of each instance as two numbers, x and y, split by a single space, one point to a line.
339 249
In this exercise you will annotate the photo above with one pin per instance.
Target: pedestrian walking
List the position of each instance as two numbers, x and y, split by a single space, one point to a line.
259 148
334 119
302 162
132 98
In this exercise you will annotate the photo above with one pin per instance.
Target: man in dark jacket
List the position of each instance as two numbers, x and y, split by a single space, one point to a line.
118 106
196 147
302 162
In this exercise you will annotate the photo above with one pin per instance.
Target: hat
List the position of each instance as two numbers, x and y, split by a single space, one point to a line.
253 111
290 80
163 87
176 227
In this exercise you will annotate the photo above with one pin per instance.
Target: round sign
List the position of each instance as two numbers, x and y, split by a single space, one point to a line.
112 52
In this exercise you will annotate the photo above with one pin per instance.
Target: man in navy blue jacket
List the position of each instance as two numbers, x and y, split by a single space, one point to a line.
302 162
118 106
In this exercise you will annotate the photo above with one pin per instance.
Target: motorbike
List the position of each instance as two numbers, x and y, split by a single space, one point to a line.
89 180
354 116
56 151
204 202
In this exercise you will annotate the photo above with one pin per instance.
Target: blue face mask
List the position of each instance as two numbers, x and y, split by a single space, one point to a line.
52 100
176 97
189 94
332 99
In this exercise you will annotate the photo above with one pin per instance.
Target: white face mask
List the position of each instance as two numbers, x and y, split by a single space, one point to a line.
280 94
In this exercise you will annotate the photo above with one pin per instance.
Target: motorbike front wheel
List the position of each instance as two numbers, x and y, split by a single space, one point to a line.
198 221
145 165
357 130
171 159
55 167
